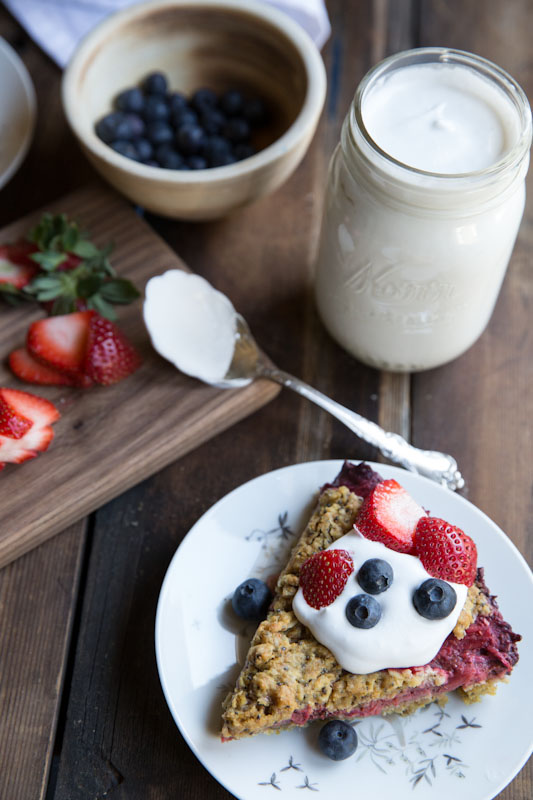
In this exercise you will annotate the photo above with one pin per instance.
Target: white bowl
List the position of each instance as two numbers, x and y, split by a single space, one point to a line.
215 43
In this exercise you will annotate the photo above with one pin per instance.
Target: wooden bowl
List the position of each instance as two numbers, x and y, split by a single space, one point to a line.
215 43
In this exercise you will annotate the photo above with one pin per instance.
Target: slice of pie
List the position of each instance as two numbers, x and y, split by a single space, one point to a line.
290 679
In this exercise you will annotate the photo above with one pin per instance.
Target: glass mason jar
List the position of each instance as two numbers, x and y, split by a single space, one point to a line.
411 262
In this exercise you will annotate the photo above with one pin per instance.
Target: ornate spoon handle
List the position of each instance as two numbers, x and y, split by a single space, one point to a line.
436 466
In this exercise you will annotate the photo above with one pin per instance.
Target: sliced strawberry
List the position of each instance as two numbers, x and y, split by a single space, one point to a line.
445 551
14 451
29 369
12 423
323 576
16 268
41 414
61 342
38 439
389 515
38 410
110 356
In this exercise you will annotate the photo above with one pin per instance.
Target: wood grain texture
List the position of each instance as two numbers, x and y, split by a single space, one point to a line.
479 407
109 438
37 604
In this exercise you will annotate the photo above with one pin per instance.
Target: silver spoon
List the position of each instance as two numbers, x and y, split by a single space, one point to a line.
249 363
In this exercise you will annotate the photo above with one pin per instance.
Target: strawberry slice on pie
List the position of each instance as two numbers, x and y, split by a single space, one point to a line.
289 678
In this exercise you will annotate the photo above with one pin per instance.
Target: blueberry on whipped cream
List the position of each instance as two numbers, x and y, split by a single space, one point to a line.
400 636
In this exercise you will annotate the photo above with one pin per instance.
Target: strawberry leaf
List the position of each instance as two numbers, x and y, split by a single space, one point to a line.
102 306
88 286
63 305
48 260
85 249
73 268
70 238
119 290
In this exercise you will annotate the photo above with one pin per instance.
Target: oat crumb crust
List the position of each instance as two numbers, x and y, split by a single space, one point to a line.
287 670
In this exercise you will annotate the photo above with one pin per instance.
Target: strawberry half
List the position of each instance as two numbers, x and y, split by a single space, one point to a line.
323 576
61 342
110 356
40 413
390 515
16 268
445 551
29 369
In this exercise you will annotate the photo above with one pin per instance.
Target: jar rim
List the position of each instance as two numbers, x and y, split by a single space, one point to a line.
483 66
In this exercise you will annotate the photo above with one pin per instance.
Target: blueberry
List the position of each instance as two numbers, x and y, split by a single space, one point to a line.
116 125
125 149
223 160
184 116
216 146
212 121
337 740
254 111
177 101
159 132
375 576
232 102
251 599
434 599
363 611
191 139
144 149
197 162
156 108
243 150
151 162
236 130
168 157
155 83
106 128
120 126
135 125
203 99
130 100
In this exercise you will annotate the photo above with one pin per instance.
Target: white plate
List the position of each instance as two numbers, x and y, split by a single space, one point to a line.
17 112
464 752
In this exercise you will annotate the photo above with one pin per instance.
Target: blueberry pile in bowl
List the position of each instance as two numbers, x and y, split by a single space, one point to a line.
163 128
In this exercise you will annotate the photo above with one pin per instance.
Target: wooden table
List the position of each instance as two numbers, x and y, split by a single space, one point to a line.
82 714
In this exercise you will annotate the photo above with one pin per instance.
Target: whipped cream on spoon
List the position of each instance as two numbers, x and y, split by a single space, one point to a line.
197 328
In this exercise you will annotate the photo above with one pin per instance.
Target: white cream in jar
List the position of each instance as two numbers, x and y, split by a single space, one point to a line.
424 199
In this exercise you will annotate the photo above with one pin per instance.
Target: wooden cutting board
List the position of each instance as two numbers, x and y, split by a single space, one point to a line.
108 438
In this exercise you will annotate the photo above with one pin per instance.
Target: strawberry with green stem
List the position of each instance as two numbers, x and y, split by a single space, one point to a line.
64 271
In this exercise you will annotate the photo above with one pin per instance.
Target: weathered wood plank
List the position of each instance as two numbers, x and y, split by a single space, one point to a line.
479 407
37 604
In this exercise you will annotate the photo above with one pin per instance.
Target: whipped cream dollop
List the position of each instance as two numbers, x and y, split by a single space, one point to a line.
191 324
440 117
402 637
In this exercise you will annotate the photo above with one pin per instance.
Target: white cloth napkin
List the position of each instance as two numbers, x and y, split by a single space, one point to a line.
58 25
